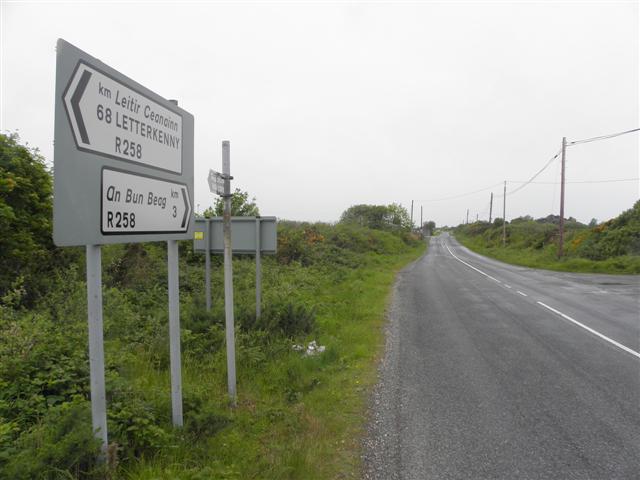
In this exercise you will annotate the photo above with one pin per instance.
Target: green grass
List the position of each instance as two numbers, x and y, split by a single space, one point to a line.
546 258
297 417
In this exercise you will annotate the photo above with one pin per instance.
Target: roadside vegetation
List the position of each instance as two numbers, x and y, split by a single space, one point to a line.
609 247
298 415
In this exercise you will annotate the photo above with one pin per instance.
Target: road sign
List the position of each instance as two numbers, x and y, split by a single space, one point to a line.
123 157
110 118
216 182
243 235
142 204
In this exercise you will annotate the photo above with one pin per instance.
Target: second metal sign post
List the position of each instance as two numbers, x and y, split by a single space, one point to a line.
228 274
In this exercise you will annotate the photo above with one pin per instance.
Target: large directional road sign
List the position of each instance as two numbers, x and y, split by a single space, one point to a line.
123 157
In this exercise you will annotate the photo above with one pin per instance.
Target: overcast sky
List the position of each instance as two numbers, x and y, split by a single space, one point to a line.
331 105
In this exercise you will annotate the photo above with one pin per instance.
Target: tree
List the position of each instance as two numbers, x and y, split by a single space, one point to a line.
399 216
240 206
25 216
381 217
372 216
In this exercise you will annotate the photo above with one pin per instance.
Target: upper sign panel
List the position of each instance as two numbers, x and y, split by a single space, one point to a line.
112 119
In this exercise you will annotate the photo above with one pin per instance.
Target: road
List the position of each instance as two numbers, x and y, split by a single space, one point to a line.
494 371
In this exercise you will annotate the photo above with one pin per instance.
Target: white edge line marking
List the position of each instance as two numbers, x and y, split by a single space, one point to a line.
471 266
508 286
591 330
522 293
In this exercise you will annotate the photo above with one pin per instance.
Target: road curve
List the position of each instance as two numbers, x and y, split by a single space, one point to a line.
494 371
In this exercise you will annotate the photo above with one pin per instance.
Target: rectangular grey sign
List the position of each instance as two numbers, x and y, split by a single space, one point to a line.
243 235
123 158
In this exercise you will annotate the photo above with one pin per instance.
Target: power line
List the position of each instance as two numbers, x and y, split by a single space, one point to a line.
601 137
462 194
582 181
546 165
536 174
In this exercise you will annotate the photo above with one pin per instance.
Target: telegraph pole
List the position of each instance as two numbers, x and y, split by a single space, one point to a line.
504 215
421 223
490 207
411 214
561 240
467 216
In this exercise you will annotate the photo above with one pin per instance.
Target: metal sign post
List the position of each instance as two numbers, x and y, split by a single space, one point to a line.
207 266
228 275
174 333
250 235
258 272
96 345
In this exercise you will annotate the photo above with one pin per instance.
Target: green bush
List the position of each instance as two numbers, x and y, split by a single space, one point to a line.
134 424
61 444
27 253
201 418
41 365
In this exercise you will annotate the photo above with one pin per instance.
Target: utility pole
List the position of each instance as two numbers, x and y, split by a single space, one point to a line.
491 207
561 240
411 214
504 215
421 222
467 216
476 217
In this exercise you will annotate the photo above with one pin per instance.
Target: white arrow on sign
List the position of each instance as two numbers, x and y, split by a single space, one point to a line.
112 119
133 203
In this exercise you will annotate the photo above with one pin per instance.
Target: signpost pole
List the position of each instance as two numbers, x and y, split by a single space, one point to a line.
207 264
174 334
96 347
258 271
228 275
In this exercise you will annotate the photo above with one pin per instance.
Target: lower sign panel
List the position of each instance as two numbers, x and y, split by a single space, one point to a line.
135 204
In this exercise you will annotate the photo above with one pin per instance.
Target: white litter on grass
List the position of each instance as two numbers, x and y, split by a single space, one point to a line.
312 349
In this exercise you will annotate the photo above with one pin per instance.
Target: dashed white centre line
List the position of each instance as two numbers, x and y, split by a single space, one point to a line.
557 312
591 330
471 266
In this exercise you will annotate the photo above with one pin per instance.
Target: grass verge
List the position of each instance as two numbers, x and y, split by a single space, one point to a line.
297 416
546 258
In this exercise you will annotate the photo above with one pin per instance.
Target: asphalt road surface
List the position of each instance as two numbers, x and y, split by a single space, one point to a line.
494 371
